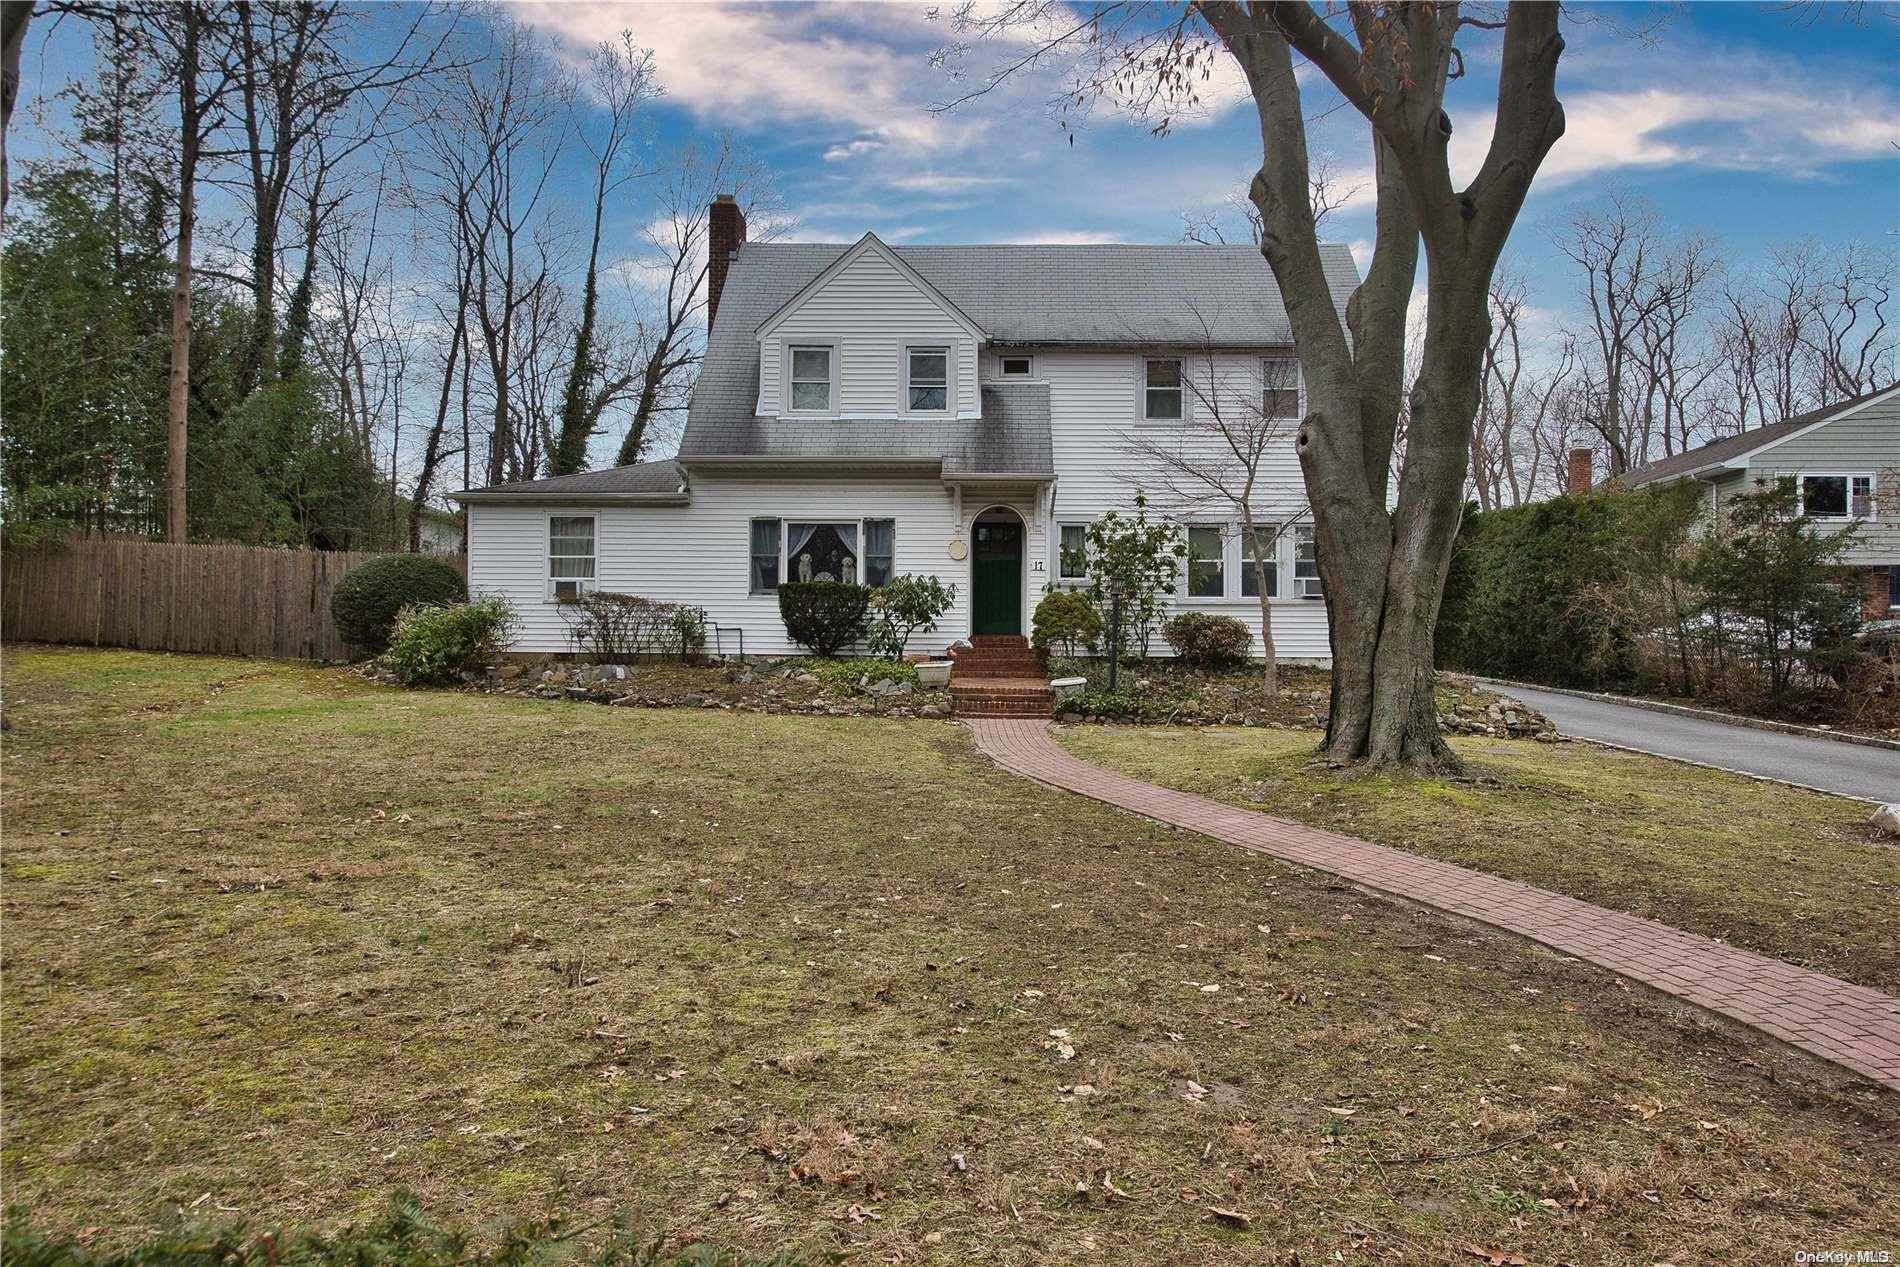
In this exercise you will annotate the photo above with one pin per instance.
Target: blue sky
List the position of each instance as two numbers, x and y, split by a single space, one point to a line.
1750 122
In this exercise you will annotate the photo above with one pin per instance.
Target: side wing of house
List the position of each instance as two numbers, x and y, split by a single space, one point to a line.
1847 470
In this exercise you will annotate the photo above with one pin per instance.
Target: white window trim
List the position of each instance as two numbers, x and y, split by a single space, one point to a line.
547 554
1299 383
1228 543
1071 582
1003 360
1141 388
1293 564
1873 495
785 523
785 392
949 351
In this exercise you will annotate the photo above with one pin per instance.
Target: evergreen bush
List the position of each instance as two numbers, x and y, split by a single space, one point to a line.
432 645
825 616
365 602
1066 624
1204 640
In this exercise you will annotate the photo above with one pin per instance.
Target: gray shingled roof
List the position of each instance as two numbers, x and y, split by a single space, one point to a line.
1096 295
1042 295
1720 452
643 479
1011 437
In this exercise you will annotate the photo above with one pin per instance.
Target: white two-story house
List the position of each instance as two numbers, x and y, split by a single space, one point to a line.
865 411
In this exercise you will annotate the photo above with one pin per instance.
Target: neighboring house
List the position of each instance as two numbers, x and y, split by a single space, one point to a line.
1844 461
441 531
865 411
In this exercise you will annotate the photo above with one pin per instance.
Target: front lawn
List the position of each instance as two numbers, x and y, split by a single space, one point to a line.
1790 873
279 940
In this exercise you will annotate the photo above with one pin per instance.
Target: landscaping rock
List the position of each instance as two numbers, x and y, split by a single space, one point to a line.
1887 819
508 671
694 700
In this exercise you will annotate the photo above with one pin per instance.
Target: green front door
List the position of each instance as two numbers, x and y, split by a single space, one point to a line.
996 574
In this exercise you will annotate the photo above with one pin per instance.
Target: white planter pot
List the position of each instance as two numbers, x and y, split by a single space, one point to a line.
933 673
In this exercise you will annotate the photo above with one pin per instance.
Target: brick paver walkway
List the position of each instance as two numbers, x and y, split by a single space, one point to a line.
1851 1025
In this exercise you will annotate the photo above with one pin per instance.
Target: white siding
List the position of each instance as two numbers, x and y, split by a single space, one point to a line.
700 554
1094 402
870 311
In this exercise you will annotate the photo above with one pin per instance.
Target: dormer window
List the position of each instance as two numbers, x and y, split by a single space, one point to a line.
927 380
813 375
1161 394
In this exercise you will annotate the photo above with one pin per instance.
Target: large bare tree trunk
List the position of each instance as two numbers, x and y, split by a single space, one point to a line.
1384 570
14 15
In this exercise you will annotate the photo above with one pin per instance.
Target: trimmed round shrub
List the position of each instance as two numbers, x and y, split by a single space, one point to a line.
432 645
825 616
1206 641
1066 623
365 602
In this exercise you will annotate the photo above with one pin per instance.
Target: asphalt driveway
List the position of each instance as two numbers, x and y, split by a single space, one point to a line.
1846 768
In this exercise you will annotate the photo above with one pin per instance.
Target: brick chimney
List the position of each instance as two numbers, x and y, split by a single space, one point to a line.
724 236
1579 479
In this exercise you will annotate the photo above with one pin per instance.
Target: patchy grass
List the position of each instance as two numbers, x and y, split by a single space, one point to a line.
292 940
1789 873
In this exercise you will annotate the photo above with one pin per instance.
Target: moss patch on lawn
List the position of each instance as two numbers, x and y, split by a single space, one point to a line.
1789 873
297 941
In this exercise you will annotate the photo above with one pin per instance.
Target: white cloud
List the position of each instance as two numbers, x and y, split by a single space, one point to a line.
772 65
852 149
1800 129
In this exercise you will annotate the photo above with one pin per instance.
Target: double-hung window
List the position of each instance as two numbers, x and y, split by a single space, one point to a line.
1161 389
812 379
1306 582
1280 387
1269 537
927 380
1206 564
880 546
570 556
1072 554
766 535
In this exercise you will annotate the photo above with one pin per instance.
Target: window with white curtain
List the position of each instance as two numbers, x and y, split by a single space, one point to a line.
766 535
880 550
1072 560
823 552
570 556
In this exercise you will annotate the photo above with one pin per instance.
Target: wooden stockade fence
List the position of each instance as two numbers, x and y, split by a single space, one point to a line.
155 596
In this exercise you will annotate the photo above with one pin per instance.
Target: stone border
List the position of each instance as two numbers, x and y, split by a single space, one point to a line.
1700 714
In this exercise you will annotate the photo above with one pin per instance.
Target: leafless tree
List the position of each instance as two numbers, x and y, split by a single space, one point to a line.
1231 454
668 284
14 17
623 81
1849 330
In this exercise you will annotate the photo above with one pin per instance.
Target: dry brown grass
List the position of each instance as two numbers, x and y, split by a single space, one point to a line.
293 941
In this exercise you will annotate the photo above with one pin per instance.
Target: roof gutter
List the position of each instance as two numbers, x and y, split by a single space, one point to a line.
808 462
490 497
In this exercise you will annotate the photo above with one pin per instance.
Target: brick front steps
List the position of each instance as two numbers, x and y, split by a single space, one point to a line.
999 676
1853 1026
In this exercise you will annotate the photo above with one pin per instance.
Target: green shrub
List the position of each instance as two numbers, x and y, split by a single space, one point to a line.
401 1236
824 615
1103 703
623 627
432 645
365 602
906 606
1206 641
1066 623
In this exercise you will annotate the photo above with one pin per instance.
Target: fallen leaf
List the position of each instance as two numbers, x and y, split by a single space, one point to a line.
1237 1218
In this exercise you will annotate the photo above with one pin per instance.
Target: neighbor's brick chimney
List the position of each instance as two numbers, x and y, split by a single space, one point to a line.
725 236
1581 461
